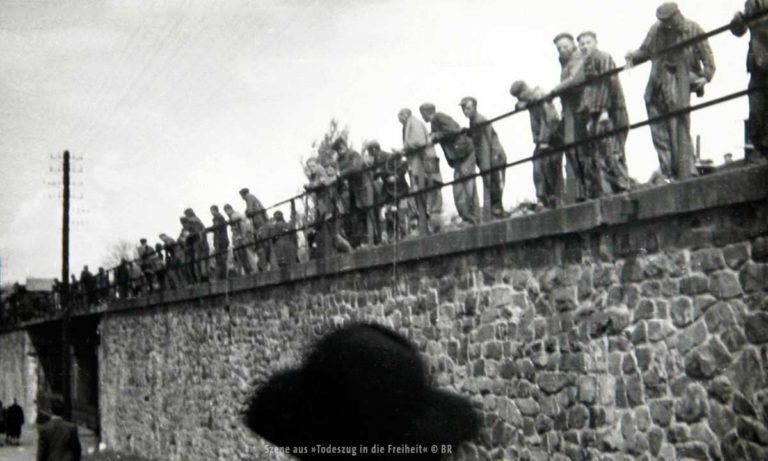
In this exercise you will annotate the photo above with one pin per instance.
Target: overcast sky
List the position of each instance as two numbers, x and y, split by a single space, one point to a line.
179 103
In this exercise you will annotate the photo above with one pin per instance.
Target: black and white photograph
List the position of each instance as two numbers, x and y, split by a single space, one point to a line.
446 230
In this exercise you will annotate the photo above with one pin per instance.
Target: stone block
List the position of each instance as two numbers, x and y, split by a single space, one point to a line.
742 406
692 407
681 311
655 439
632 271
661 412
543 424
756 327
634 391
751 430
760 250
733 338
552 383
707 260
677 433
643 355
721 389
564 298
718 317
747 373
691 337
754 277
587 389
708 360
721 418
692 450
735 255
724 285
527 406
694 284
658 330
645 310
493 350
643 418
578 416
620 393
628 426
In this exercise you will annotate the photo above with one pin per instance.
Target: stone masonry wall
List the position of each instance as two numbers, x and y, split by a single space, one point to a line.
635 341
18 372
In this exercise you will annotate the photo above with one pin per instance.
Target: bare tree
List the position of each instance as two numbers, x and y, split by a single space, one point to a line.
323 146
121 249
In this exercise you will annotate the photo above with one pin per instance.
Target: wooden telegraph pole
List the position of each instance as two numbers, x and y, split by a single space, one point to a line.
66 357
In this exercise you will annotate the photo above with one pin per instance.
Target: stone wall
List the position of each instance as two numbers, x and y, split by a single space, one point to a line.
633 327
637 341
18 372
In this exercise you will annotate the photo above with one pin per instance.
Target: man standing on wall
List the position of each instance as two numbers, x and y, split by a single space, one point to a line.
460 154
362 212
545 126
255 211
220 242
490 154
602 109
569 91
674 76
757 66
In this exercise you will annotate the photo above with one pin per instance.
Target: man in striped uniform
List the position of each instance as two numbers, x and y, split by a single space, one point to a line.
674 76
602 109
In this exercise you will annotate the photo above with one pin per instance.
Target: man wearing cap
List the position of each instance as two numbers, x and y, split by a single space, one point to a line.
419 150
242 239
757 66
220 242
602 109
460 154
255 211
545 126
199 243
569 91
391 169
362 212
173 259
674 76
489 154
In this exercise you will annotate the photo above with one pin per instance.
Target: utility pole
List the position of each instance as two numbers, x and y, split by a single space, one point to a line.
66 357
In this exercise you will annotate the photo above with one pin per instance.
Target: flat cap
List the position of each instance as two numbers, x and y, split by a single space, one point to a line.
468 99
666 10
517 88
427 107
561 36
244 190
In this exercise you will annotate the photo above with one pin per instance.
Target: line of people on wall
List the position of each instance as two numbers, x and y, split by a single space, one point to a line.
356 200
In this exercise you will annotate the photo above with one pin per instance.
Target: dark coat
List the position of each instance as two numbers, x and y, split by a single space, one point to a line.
58 441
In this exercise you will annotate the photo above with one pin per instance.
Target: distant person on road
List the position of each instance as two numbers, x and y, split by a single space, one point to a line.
58 439
88 284
14 419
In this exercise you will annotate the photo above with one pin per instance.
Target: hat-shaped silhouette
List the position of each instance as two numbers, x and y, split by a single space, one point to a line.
360 385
